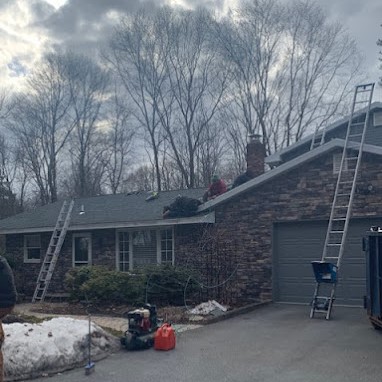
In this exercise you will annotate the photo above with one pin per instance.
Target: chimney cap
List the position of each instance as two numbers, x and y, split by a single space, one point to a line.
254 137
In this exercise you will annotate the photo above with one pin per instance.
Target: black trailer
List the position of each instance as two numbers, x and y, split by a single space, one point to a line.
373 300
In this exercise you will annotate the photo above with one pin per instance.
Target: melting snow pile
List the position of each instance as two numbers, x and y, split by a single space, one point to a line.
209 307
31 350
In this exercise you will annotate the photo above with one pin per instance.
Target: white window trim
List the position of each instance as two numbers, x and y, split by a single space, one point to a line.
117 262
173 246
26 259
131 255
87 235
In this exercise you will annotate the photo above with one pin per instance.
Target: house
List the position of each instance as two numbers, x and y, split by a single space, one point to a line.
253 243
119 231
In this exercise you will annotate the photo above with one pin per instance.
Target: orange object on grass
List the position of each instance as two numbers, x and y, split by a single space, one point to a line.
164 338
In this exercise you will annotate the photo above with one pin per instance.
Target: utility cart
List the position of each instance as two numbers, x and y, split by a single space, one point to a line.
325 274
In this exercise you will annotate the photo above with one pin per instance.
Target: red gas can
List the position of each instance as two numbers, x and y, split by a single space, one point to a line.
164 338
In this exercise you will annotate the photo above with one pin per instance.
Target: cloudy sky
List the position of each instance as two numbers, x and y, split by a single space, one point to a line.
30 27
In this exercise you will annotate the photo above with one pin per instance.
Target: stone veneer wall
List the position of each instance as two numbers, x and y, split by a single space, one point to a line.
26 274
246 221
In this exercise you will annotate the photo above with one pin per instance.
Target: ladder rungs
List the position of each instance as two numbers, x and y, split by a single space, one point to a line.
364 88
346 206
337 231
53 250
331 257
333 244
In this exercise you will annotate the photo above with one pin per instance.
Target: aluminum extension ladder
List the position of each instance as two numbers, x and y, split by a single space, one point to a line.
342 202
53 251
318 138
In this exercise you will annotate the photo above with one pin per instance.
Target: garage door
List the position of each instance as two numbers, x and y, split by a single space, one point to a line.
296 245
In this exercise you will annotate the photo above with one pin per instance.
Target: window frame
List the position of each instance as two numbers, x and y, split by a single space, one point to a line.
26 258
87 235
158 232
160 249
377 119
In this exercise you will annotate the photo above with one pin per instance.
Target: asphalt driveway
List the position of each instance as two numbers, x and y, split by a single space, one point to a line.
277 343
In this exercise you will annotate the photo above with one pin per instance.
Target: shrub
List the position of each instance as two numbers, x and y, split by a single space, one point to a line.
165 284
160 285
99 284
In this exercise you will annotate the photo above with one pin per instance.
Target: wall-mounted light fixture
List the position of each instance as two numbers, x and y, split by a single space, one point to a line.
82 210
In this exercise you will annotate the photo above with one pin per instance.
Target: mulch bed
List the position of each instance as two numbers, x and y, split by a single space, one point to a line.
173 314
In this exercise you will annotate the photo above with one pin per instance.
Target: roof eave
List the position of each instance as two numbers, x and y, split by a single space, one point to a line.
276 158
310 155
206 218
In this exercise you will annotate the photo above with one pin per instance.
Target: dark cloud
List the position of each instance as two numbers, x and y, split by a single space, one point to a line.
70 19
41 10
82 25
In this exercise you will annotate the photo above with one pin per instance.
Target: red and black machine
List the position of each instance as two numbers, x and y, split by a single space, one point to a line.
143 324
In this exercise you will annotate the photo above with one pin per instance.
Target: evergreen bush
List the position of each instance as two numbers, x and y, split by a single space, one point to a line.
160 285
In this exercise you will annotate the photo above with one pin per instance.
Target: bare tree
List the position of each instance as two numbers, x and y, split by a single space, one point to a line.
5 104
120 137
8 204
292 68
88 85
41 122
198 83
138 53
379 43
142 179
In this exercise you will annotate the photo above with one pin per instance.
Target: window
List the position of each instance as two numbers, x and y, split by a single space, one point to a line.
137 248
166 246
377 119
32 248
124 251
82 249
337 163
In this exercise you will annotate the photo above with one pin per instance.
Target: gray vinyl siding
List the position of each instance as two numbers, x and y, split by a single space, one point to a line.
373 137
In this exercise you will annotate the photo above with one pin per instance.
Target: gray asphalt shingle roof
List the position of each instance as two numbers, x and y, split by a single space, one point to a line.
105 210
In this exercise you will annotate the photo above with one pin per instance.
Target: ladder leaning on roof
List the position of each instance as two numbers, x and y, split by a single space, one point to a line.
51 256
326 270
318 138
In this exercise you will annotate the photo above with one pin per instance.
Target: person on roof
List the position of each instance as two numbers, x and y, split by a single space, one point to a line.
7 301
182 206
241 179
216 188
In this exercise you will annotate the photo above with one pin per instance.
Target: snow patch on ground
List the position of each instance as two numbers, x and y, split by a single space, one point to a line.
55 345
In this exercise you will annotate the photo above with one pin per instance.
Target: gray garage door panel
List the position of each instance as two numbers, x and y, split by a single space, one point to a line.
296 245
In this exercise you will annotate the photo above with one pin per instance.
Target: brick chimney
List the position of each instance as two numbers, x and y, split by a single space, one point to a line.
255 156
